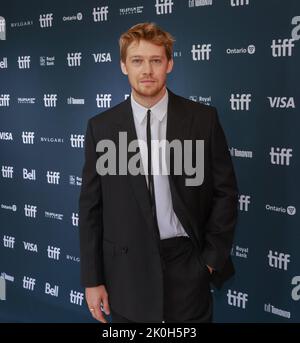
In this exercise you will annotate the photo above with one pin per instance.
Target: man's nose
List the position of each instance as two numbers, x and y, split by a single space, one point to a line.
147 67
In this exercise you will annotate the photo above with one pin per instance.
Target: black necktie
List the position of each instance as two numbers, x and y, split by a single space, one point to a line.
151 187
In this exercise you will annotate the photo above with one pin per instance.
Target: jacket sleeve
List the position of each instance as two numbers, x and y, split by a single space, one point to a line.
90 217
220 227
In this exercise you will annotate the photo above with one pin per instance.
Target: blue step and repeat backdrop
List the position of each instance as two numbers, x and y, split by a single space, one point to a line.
59 65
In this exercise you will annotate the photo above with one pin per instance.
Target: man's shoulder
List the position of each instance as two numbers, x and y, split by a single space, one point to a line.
193 107
111 115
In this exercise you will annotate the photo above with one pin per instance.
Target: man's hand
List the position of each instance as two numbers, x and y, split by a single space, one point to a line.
94 297
210 269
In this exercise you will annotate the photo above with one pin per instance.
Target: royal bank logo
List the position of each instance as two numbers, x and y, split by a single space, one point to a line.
164 6
100 13
241 252
74 219
2 28
102 57
234 152
74 59
46 20
237 299
30 211
103 100
204 100
75 180
3 63
53 177
131 10
201 52
240 102
4 100
28 137
282 47
76 141
29 283
23 62
198 3
53 252
50 100
244 202
6 136
281 102
278 260
234 3
9 242
76 298
7 172
281 156
47 61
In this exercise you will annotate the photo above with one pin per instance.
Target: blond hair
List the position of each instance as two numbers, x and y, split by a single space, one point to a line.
149 32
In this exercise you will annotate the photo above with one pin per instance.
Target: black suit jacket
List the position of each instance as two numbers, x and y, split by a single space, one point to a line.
118 242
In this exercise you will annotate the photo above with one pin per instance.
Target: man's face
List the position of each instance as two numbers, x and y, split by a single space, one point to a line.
147 67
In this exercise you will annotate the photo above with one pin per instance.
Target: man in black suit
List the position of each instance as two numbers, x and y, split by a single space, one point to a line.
152 242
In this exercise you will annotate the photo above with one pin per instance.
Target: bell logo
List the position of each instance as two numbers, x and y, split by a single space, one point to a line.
291 210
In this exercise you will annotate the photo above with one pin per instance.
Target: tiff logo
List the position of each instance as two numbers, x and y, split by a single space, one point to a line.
281 156
164 6
46 20
77 141
29 175
53 252
100 13
50 100
4 99
74 219
103 100
28 283
237 299
2 28
234 3
24 62
53 177
282 48
7 172
201 52
9 241
30 211
240 102
244 201
27 137
74 59
76 297
279 261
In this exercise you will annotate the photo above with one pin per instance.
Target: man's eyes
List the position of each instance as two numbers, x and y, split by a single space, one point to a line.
138 61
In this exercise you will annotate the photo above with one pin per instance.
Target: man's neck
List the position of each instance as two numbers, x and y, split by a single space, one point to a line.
149 102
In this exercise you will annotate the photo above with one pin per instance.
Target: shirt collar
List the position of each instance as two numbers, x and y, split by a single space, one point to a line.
159 110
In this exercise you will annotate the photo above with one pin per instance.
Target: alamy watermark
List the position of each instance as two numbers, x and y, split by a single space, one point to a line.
182 158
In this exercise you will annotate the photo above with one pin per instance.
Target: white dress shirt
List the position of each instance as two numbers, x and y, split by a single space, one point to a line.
168 223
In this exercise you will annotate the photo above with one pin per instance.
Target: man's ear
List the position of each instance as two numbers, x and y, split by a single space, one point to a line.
123 67
170 66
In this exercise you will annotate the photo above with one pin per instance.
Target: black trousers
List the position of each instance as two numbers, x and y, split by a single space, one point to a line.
187 295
